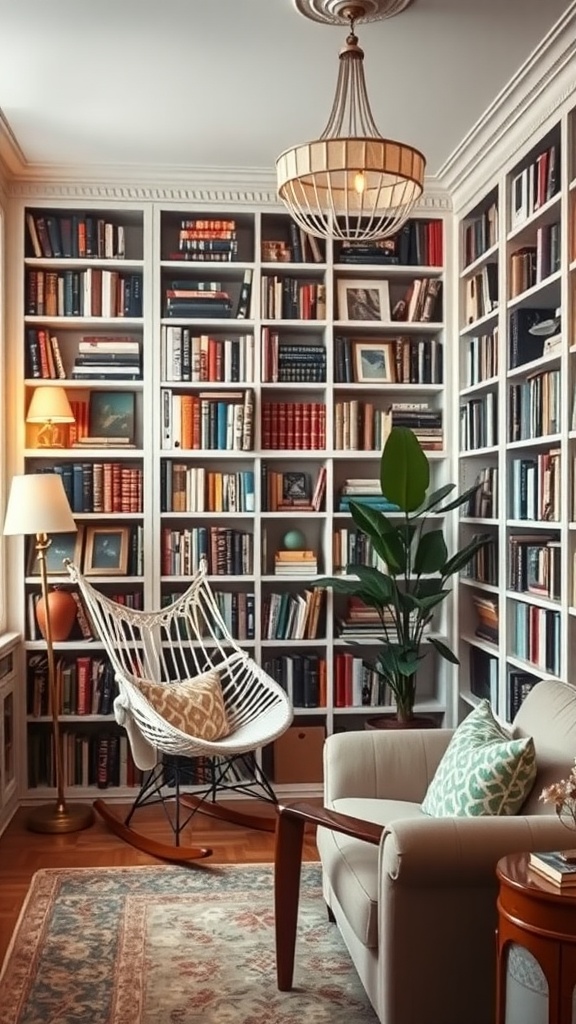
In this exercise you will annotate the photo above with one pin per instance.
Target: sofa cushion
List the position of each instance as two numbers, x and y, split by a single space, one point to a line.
194 706
485 771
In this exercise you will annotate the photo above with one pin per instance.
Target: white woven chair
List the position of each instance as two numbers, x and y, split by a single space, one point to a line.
182 640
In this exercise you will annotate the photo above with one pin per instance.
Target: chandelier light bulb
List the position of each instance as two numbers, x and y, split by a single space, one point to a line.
359 182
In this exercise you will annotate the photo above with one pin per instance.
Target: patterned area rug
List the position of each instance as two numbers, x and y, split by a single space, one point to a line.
172 945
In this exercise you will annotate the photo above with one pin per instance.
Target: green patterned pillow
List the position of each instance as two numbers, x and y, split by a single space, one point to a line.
483 770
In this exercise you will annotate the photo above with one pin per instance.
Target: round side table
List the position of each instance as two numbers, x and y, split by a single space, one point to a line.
538 916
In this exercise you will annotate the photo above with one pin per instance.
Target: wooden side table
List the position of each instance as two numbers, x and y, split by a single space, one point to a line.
538 916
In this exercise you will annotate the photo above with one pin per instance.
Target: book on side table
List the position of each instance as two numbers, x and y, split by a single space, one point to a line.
558 867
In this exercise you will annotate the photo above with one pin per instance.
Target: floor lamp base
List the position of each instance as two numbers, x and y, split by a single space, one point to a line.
54 819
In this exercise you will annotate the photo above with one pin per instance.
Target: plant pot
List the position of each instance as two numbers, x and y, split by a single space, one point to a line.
391 722
62 608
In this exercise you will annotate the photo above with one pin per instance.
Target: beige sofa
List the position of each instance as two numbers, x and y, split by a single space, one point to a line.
417 906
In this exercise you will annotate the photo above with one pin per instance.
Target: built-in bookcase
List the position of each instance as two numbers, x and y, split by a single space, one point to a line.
259 371
516 375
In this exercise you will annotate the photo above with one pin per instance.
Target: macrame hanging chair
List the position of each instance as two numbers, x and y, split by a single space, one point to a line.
186 639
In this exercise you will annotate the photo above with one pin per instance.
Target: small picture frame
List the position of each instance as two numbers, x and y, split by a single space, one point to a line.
106 551
367 300
62 545
112 415
374 362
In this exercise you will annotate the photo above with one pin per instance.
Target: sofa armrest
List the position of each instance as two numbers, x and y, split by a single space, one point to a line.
463 851
393 764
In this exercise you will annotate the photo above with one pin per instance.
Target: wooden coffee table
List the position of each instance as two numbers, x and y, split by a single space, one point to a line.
538 916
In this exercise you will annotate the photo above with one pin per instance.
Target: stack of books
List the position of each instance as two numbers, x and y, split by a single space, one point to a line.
367 492
207 241
558 868
99 357
488 622
295 563
197 299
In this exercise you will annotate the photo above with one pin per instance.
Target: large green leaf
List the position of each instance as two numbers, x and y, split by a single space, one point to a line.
425 604
404 470
465 555
443 650
462 499
431 553
385 536
373 581
434 499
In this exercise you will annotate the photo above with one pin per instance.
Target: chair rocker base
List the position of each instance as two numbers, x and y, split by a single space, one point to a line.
261 822
164 851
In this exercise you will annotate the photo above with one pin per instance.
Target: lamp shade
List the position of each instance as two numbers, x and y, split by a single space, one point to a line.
38 504
49 405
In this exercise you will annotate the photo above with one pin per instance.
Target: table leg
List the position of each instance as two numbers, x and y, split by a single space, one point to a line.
287 865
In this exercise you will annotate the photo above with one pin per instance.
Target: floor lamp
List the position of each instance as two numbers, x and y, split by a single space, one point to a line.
38 505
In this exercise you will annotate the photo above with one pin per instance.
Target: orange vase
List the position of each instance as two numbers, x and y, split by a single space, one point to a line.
62 608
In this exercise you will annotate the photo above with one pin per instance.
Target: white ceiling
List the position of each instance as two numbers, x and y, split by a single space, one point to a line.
231 83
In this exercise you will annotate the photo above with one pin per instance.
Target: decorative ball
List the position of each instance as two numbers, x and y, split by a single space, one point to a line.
294 540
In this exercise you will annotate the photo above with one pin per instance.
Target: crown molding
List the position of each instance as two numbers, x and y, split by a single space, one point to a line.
231 187
532 96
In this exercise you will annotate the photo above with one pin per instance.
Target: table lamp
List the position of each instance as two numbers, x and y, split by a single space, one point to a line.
38 505
49 406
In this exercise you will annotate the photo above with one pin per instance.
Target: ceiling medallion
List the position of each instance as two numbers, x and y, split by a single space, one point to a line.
333 12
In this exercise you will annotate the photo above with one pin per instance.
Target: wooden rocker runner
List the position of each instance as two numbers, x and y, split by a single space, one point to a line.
157 658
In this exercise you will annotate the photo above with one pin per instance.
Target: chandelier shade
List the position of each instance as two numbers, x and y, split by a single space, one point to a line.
351 183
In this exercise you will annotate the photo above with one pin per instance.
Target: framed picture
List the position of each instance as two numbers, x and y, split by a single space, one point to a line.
363 300
374 361
106 550
112 415
63 545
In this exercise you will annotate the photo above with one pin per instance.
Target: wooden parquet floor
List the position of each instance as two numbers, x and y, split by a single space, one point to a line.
23 852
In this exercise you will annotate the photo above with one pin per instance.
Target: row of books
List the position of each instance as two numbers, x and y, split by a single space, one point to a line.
532 264
535 184
98 757
480 233
484 565
298 426
185 488
479 422
534 565
208 240
481 293
528 330
357 683
291 298
481 359
43 358
75 236
292 616
105 487
488 621
91 292
286 362
483 502
210 420
87 686
536 486
349 546
534 406
421 302
537 636
302 676
186 356
405 360
237 608
224 551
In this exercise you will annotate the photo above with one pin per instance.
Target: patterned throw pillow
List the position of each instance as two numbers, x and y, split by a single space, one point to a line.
483 771
195 706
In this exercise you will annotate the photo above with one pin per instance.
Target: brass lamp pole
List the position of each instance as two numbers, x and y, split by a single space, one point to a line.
38 505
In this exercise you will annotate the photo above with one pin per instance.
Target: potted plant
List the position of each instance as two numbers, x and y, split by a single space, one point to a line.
418 566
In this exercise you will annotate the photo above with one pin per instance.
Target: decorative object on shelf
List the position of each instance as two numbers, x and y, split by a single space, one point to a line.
294 540
61 609
563 795
111 415
363 300
38 505
351 183
413 585
50 407
106 550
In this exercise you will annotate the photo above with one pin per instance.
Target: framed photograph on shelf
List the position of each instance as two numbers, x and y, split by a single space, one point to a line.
106 551
363 300
374 362
111 415
63 545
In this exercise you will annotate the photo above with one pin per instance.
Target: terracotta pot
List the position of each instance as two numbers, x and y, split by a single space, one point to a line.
391 722
62 614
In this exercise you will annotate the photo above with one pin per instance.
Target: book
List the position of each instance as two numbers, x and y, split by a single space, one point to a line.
558 867
245 293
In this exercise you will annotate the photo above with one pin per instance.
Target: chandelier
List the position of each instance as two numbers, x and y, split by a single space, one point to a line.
350 184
